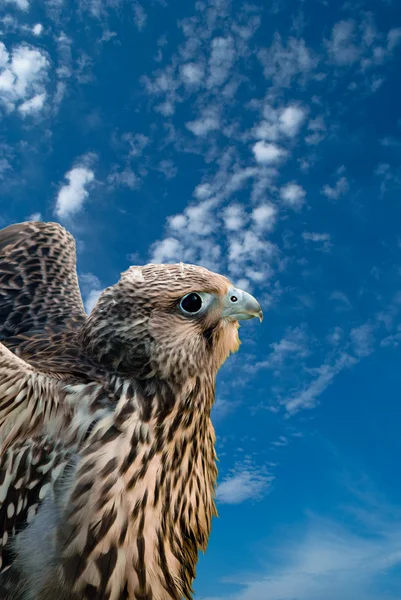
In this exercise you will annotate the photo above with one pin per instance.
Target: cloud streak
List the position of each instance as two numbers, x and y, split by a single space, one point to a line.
327 559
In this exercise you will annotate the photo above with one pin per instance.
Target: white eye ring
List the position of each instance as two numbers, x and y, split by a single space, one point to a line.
191 303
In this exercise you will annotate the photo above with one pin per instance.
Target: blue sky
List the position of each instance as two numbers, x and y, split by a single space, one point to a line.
263 140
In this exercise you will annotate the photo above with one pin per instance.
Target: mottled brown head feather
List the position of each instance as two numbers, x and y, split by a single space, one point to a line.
137 326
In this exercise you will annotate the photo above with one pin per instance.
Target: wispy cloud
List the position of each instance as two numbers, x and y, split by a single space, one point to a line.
21 4
34 217
221 60
125 177
140 16
362 339
342 45
324 376
208 121
393 38
326 559
191 235
321 240
247 481
33 105
339 189
286 61
223 407
295 344
341 300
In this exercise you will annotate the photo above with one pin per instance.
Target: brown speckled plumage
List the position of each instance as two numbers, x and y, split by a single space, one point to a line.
107 460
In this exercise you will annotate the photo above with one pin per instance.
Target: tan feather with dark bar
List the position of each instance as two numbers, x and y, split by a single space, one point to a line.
107 462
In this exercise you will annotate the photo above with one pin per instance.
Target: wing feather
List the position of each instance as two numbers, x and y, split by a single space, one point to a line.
30 405
39 289
28 398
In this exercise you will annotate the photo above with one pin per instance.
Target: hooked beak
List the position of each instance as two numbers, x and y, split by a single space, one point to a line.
239 305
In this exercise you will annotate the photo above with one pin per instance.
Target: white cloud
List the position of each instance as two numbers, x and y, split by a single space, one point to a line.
192 73
318 129
203 191
91 290
293 346
291 120
164 84
5 168
335 335
194 231
250 254
322 239
264 216
34 217
37 29
71 196
202 233
267 131
393 38
316 237
341 46
282 441
33 105
234 217
362 340
325 559
126 177
222 408
342 301
392 340
337 191
4 55
284 63
167 251
27 65
268 153
97 8
245 482
221 60
21 4
136 142
168 168
293 195
276 124
200 218
23 75
91 300
140 16
204 125
177 221
65 68
325 375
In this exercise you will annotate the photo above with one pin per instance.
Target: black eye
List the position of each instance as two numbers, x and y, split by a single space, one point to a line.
234 299
192 303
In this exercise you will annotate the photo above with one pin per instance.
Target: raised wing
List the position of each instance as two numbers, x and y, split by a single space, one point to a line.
28 399
39 289
40 312
31 459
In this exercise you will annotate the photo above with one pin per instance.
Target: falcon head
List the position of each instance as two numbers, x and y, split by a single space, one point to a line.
169 321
